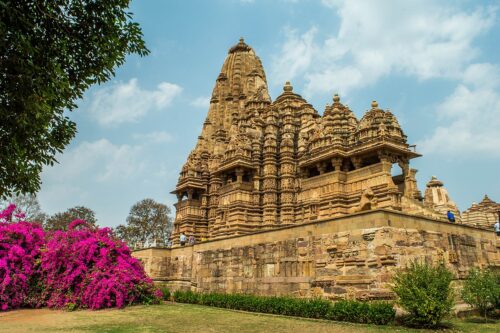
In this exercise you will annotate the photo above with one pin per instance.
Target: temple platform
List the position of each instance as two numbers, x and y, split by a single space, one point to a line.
353 256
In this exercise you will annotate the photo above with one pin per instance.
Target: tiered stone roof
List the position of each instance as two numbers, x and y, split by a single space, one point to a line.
484 214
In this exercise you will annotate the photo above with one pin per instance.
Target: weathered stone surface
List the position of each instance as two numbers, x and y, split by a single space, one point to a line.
334 260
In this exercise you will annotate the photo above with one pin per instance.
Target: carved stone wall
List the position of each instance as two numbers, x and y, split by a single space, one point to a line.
352 256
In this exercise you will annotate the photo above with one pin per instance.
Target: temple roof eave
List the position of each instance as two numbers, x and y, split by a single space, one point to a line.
235 163
189 183
328 152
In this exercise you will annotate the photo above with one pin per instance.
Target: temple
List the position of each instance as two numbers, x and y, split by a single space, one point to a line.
484 214
261 164
285 201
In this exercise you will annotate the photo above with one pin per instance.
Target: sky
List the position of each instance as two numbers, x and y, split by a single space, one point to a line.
434 64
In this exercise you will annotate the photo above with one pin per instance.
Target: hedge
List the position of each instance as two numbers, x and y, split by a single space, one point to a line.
380 313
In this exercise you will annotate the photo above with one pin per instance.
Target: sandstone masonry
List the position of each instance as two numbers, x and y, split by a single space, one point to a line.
346 257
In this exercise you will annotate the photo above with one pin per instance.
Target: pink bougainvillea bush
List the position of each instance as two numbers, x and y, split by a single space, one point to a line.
89 268
84 267
20 275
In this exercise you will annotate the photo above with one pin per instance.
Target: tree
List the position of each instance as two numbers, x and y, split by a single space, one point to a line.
27 204
481 290
147 222
424 291
51 52
61 221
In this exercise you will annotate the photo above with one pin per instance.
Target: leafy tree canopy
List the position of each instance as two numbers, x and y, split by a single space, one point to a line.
482 290
61 221
147 222
51 51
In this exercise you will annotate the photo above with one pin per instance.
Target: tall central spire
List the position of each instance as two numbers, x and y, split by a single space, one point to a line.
241 80
259 165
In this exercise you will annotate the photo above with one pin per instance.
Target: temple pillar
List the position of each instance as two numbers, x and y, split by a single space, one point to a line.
337 163
239 175
321 167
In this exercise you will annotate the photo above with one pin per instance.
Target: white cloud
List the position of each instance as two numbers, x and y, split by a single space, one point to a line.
424 39
201 102
128 102
471 116
296 55
153 137
102 159
89 173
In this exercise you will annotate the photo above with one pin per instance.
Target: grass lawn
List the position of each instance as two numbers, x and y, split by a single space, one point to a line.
191 318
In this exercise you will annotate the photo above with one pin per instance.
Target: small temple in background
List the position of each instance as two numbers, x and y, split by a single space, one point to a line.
260 164
484 214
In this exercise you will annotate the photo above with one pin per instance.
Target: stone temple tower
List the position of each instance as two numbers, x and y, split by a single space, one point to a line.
437 198
261 164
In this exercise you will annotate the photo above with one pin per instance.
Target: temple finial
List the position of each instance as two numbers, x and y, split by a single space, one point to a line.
287 87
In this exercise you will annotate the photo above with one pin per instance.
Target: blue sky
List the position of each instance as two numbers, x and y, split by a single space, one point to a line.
435 64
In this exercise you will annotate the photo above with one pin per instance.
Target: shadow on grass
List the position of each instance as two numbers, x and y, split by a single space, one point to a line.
408 321
480 320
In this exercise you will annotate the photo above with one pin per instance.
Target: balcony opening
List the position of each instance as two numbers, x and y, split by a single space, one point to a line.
398 177
313 172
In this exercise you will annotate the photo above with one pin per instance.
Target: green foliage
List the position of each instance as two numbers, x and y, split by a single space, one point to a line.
425 292
351 311
51 52
379 313
61 221
147 222
71 306
482 290
165 291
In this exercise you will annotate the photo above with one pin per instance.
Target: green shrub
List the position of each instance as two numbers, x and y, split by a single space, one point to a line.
71 306
165 291
186 297
497 299
481 290
381 313
353 311
425 292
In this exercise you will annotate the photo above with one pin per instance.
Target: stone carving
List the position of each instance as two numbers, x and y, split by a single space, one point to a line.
368 200
334 259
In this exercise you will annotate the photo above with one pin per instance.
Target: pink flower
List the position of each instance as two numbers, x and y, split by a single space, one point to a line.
86 267
77 223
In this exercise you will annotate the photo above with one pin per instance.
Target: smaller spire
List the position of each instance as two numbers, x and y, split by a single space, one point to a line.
241 46
434 182
287 87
